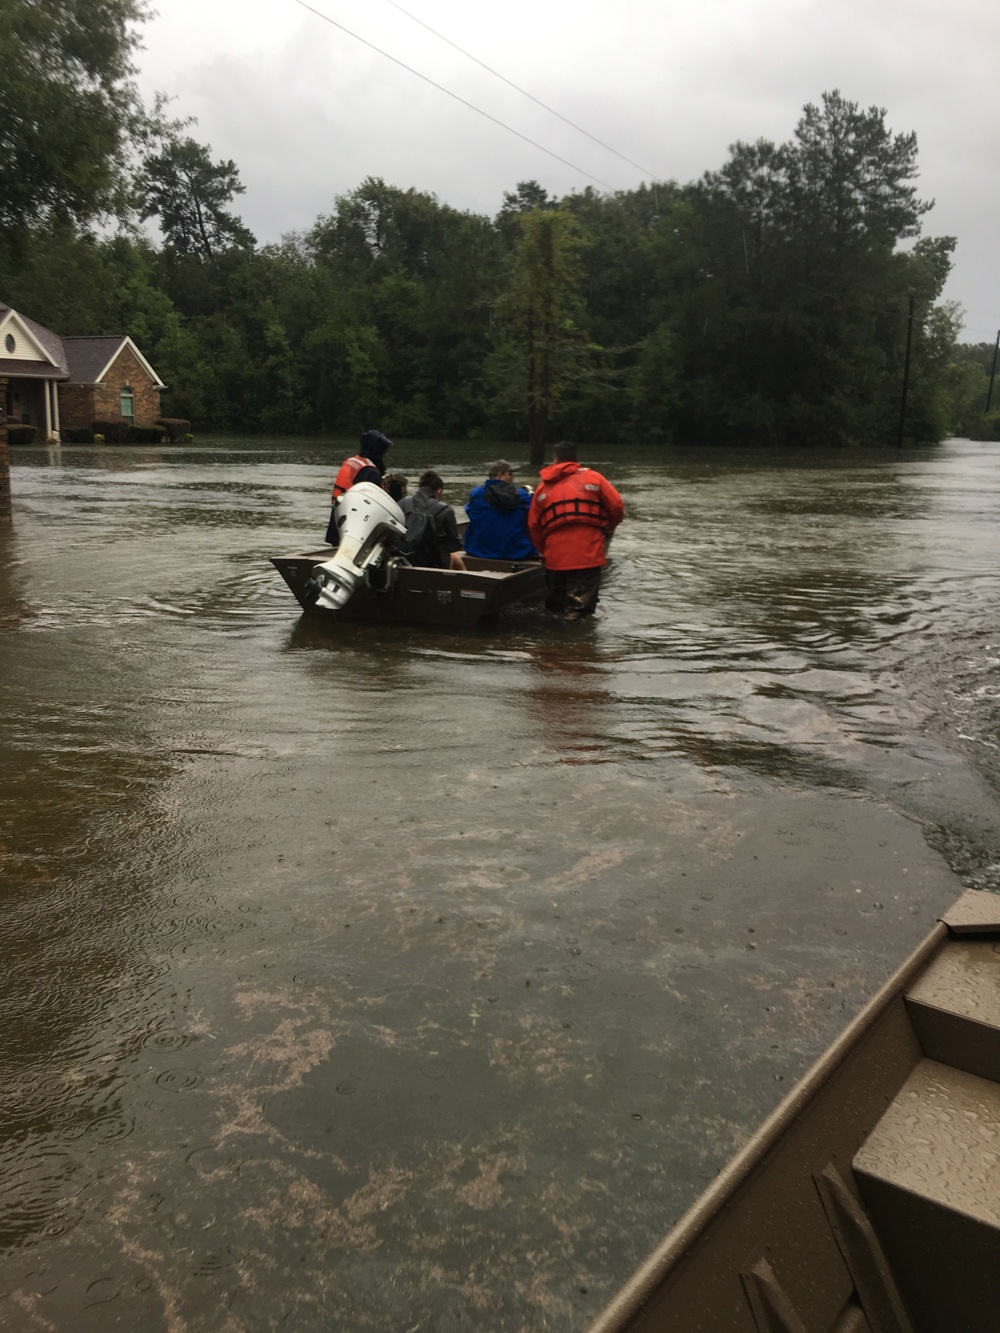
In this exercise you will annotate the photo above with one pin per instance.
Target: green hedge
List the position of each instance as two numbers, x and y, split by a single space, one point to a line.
176 427
114 429
21 434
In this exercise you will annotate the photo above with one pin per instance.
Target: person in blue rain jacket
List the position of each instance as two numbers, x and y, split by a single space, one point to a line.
498 517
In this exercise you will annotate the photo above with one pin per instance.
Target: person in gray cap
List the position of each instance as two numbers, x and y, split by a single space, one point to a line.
498 517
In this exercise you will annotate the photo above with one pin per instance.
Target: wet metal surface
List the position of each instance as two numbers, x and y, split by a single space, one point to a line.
365 977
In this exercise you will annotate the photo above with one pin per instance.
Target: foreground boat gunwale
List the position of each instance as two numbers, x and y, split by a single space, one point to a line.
791 1144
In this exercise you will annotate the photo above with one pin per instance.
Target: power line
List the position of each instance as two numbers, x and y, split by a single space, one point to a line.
523 91
440 87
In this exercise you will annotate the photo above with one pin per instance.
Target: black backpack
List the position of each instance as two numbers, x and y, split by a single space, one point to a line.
421 545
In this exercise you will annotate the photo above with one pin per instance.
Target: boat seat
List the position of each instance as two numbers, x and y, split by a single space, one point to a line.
955 1007
930 1178
929 1173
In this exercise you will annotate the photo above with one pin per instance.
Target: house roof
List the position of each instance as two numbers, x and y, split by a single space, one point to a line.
90 359
79 360
50 361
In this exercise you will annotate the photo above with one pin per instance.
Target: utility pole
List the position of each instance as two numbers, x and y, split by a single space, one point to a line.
993 373
5 501
906 371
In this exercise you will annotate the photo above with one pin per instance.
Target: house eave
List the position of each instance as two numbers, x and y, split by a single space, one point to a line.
30 370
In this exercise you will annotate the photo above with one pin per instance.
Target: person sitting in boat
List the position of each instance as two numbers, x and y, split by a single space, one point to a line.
432 538
395 485
498 517
368 465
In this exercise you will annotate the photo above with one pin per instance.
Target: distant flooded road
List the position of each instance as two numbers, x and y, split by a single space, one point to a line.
360 977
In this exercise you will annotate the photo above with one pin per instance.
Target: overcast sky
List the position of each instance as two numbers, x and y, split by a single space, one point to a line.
307 112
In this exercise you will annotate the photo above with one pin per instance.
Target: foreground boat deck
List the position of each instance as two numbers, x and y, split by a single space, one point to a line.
869 1202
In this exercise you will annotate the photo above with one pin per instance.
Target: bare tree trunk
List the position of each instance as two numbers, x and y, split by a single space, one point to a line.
538 429
536 412
201 228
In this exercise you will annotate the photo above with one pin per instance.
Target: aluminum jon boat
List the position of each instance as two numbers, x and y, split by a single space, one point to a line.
422 596
869 1201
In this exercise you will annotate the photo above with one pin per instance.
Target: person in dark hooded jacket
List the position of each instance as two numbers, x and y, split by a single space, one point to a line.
366 465
498 517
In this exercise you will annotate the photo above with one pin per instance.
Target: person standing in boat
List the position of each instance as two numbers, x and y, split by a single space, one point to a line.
573 514
498 517
432 538
367 465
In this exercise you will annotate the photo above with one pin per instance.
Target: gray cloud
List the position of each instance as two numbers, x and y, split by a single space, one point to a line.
307 113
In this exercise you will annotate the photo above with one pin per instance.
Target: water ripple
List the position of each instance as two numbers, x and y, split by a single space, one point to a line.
179 1080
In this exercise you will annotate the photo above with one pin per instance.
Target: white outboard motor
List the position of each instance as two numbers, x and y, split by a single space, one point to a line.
371 525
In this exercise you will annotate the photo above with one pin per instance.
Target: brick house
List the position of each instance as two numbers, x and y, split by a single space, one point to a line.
108 377
59 384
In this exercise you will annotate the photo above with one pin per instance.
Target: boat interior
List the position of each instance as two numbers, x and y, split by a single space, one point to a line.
869 1202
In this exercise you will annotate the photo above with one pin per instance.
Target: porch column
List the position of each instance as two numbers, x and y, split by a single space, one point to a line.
48 411
55 409
5 507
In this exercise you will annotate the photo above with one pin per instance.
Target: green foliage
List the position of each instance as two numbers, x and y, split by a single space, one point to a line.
967 382
54 273
848 178
766 303
68 109
189 193
786 294
113 429
403 330
174 428
541 354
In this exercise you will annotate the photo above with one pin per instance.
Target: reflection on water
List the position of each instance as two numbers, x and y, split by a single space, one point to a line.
363 976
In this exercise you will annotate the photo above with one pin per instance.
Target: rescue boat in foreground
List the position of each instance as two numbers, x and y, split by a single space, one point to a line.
869 1202
365 576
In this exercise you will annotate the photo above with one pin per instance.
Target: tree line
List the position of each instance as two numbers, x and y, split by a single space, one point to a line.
765 304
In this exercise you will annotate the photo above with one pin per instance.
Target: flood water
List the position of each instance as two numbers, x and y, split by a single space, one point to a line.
364 977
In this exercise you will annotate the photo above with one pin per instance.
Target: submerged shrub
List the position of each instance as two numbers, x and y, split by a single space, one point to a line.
176 427
114 429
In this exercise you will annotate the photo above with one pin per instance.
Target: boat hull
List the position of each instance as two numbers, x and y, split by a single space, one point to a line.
422 596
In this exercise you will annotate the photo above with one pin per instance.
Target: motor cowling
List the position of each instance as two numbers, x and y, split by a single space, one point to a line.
371 526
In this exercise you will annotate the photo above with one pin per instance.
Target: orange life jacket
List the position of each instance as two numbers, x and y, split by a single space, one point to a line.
572 514
349 469
573 500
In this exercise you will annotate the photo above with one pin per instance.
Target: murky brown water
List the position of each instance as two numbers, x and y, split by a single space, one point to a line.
374 978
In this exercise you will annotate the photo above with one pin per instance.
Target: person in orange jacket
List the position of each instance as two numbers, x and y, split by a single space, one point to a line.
573 513
368 465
